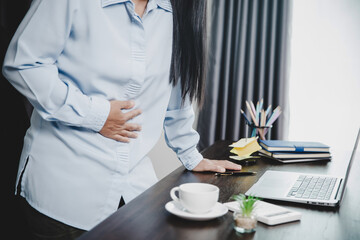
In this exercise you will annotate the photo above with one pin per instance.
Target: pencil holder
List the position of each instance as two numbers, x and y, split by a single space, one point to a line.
261 132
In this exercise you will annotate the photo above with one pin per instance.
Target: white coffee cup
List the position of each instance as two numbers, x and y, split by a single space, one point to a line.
196 197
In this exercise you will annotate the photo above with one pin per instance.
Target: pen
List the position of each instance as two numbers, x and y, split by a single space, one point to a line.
253 107
257 115
251 113
274 113
272 119
262 124
246 119
261 104
268 110
234 173
252 117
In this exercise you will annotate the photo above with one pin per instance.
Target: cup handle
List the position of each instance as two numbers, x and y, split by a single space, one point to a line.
172 194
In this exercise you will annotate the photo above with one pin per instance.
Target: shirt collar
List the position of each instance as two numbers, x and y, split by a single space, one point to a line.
105 3
164 4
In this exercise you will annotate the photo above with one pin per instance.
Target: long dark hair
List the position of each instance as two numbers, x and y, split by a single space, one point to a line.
189 47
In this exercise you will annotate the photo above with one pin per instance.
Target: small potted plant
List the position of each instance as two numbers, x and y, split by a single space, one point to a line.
245 220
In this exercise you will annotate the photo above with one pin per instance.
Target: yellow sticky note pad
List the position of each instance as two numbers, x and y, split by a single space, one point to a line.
243 142
245 147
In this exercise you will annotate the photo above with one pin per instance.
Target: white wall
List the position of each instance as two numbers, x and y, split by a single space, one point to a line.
325 71
163 158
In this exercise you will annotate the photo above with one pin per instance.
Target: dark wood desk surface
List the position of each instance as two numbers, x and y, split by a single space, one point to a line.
146 218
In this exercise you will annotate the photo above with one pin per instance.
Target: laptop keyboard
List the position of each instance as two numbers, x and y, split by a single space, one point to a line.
313 187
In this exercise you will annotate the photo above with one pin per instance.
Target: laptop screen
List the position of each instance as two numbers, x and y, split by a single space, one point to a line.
350 164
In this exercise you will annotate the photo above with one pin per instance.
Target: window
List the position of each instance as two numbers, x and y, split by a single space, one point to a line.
325 72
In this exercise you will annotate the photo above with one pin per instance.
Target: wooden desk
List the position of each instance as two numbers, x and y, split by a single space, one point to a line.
146 218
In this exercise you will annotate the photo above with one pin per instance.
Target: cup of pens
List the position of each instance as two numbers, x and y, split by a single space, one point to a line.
261 119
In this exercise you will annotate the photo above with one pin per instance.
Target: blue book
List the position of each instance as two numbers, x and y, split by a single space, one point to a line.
293 146
296 155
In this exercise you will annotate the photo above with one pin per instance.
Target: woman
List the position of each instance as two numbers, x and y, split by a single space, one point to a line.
97 73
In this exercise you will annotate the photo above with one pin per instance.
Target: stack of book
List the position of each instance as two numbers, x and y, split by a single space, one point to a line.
291 151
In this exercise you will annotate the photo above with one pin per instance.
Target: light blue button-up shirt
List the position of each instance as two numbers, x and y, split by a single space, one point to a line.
69 58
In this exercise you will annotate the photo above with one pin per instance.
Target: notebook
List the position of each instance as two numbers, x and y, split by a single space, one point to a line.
296 160
293 146
304 188
284 155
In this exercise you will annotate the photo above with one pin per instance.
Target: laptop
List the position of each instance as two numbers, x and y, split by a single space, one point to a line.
314 189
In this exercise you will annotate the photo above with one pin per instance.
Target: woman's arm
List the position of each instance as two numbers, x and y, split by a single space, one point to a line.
183 139
30 66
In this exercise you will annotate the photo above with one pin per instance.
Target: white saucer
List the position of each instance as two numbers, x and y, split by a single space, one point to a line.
218 211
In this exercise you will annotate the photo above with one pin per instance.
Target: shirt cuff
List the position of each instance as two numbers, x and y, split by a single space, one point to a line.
98 113
191 160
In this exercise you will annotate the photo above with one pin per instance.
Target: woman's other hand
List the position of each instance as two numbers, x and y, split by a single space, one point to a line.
216 166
